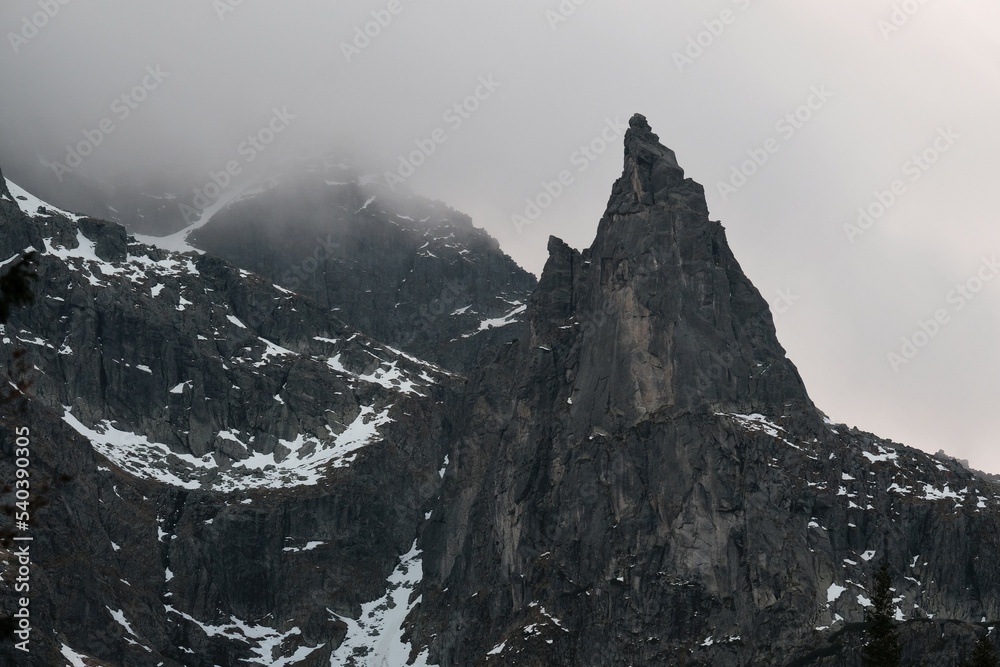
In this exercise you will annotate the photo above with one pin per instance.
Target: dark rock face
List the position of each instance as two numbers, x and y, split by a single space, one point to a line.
643 479
226 472
223 470
661 292
411 273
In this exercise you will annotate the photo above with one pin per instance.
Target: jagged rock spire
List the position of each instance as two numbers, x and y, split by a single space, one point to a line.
669 320
651 169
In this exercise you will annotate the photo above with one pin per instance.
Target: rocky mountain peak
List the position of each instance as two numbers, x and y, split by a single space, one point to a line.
643 479
660 295
651 169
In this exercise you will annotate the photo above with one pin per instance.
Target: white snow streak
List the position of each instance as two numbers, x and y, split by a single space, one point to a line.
378 634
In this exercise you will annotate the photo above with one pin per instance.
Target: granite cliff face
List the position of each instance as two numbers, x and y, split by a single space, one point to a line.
230 472
642 479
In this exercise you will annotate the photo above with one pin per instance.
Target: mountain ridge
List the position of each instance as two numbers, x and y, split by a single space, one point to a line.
633 473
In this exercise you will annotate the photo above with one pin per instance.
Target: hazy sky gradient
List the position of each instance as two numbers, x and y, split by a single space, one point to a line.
892 94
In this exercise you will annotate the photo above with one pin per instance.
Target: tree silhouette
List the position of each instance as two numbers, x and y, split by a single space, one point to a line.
984 655
15 285
16 290
882 648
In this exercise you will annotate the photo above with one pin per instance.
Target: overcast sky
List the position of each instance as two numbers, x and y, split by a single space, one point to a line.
886 81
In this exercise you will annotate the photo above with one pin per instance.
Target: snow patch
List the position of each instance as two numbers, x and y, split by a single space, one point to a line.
387 375
29 204
261 640
306 464
378 631
73 658
497 322
760 423
178 241
931 493
120 619
139 269
272 351
308 547
834 592
883 455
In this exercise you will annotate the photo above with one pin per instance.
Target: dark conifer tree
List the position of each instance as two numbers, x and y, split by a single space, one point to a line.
15 285
16 290
882 647
984 655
